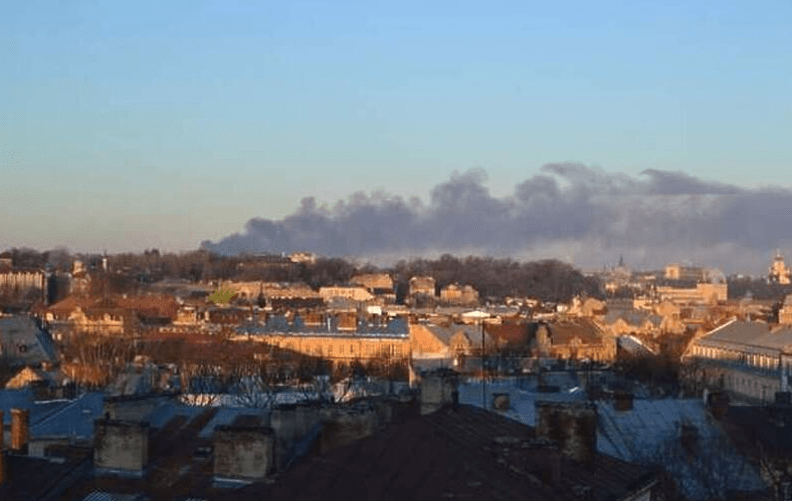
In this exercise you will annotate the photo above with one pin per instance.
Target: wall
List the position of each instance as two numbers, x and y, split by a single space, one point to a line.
121 445
341 347
243 453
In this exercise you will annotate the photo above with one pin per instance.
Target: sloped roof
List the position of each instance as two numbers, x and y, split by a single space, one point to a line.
73 419
150 305
513 334
445 333
37 478
26 342
632 317
564 331
24 377
650 433
468 453
749 335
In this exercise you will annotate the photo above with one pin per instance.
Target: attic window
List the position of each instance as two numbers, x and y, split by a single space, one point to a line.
22 348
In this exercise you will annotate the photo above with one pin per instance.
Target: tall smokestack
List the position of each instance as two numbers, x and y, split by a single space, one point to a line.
19 429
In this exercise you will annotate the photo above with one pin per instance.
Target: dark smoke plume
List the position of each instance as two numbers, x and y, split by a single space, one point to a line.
569 211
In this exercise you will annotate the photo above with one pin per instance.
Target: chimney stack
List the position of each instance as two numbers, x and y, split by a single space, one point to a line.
19 429
437 390
572 425
2 432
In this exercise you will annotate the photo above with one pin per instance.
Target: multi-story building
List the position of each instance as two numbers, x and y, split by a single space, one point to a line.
422 285
684 273
334 339
379 284
751 360
702 293
22 284
456 294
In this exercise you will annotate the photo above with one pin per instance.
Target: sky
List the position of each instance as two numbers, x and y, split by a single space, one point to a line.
126 126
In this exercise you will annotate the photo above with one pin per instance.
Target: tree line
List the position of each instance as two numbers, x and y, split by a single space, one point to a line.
494 278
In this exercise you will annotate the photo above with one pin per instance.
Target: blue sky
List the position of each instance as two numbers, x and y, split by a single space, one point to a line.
161 124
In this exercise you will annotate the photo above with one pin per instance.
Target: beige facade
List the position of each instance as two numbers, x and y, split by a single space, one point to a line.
353 293
22 283
340 347
459 295
575 341
374 282
703 293
106 322
251 290
422 285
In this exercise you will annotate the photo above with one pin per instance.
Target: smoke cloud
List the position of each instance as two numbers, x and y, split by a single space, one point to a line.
568 211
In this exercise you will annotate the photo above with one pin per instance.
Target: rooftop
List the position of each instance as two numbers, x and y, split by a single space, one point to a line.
465 453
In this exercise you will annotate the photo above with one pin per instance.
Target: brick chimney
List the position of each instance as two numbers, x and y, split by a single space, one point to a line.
20 419
572 425
2 432
3 468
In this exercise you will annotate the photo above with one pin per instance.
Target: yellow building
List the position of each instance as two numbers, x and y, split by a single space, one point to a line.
702 294
338 346
333 339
